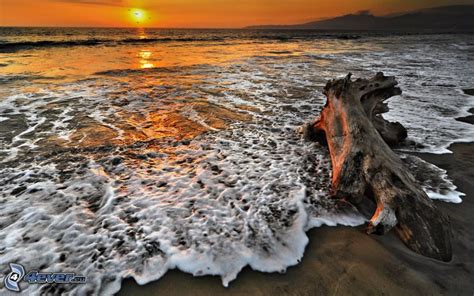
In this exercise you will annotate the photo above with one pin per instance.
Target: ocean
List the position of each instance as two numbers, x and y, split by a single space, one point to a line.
130 152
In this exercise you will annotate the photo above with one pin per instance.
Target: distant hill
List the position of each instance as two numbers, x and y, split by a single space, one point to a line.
445 18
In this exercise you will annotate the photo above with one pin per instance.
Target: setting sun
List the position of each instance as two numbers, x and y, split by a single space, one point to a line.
138 16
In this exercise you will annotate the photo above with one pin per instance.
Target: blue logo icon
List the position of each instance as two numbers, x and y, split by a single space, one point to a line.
17 274
12 280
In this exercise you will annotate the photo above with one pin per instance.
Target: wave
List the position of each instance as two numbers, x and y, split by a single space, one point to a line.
25 45
127 72
168 69
12 47
169 39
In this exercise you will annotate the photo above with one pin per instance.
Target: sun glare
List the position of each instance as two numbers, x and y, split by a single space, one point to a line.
138 16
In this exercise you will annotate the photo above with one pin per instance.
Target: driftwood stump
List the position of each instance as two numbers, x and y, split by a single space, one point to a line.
365 170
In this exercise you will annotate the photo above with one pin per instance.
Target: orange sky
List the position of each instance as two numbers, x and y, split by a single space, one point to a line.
192 13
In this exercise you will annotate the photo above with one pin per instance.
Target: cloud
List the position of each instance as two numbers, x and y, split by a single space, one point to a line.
95 2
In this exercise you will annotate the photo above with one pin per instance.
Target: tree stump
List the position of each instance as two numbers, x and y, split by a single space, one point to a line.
365 170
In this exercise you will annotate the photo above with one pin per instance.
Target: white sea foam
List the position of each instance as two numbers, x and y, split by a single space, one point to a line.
202 209
435 181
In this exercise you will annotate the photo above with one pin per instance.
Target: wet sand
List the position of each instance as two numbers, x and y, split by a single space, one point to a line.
345 261
467 119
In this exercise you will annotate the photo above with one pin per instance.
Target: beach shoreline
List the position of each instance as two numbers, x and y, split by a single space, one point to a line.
345 261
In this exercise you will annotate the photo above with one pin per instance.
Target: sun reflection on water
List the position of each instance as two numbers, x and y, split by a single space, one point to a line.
145 56
141 33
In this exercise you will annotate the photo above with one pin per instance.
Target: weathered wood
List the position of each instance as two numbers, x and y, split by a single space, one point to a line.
365 170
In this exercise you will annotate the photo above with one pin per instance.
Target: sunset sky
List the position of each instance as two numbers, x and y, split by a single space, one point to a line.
191 13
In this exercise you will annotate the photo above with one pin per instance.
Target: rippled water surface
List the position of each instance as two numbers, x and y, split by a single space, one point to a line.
131 152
